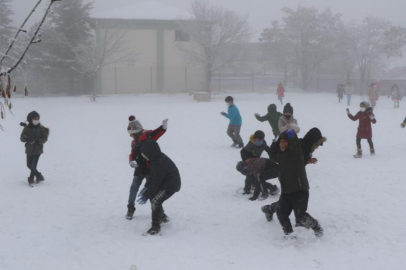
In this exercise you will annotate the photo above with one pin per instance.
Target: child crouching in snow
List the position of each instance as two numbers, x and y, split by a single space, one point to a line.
163 183
34 136
260 169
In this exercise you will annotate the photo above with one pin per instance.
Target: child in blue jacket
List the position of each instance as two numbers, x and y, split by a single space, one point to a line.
234 128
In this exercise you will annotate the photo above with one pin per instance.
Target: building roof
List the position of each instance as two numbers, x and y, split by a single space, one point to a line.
146 10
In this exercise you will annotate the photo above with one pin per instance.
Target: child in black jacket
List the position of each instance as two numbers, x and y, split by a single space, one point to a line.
163 183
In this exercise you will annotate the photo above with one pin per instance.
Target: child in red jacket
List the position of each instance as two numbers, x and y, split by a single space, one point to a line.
365 117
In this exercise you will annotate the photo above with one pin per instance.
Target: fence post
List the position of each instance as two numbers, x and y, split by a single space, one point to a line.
150 71
252 82
219 78
186 90
115 79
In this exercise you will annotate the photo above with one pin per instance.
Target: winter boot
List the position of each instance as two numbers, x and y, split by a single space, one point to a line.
246 191
274 190
358 154
130 213
154 229
268 211
164 219
372 152
264 195
234 144
240 145
39 178
318 230
31 181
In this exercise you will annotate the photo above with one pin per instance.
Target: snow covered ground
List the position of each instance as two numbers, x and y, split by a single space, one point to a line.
76 218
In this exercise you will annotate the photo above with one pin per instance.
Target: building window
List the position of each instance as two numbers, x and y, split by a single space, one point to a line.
181 36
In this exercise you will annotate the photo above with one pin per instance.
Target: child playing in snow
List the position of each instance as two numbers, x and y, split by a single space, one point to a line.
366 117
288 153
260 170
272 117
340 92
234 128
280 92
141 169
396 95
34 135
286 121
373 94
254 149
163 183
349 91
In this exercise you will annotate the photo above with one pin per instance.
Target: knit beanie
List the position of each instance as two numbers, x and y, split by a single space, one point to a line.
134 126
288 108
32 115
259 134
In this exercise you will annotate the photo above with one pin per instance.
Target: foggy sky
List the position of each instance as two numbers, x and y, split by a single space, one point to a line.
261 12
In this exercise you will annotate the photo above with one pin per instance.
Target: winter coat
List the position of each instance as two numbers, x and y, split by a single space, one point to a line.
285 124
364 127
143 168
310 142
272 117
34 138
164 173
292 171
340 90
373 93
280 91
234 115
349 89
252 150
396 93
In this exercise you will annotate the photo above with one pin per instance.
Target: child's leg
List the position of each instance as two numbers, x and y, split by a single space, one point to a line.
230 133
283 211
32 163
137 181
371 144
156 206
248 183
358 141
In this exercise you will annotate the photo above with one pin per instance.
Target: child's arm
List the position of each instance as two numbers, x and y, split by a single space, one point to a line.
353 118
261 118
158 174
44 136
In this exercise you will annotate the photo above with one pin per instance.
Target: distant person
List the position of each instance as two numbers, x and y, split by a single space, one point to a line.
396 95
349 91
403 124
340 92
34 135
272 117
366 117
373 94
286 121
234 127
280 92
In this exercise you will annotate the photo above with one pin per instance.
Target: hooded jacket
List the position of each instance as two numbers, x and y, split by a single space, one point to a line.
33 136
292 171
164 173
272 117
310 142
280 91
364 126
252 150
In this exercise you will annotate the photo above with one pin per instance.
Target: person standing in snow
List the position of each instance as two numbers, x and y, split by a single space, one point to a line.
163 183
280 92
373 94
288 153
34 135
396 95
234 127
366 117
272 117
141 169
260 170
254 149
340 92
349 91
286 121
310 142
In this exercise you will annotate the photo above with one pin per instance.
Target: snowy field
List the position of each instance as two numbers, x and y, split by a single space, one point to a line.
76 218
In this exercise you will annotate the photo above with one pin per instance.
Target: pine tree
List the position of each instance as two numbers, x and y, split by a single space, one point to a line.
6 30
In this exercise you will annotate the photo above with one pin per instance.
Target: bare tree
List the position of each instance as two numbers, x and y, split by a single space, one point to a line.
110 49
373 39
5 79
211 30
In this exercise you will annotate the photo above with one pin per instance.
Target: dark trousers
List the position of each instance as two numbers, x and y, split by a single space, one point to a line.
296 202
371 144
32 163
156 206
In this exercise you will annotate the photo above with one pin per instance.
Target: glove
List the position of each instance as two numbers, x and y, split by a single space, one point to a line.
142 200
372 116
403 125
290 133
165 124
256 115
348 111
133 164
142 192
